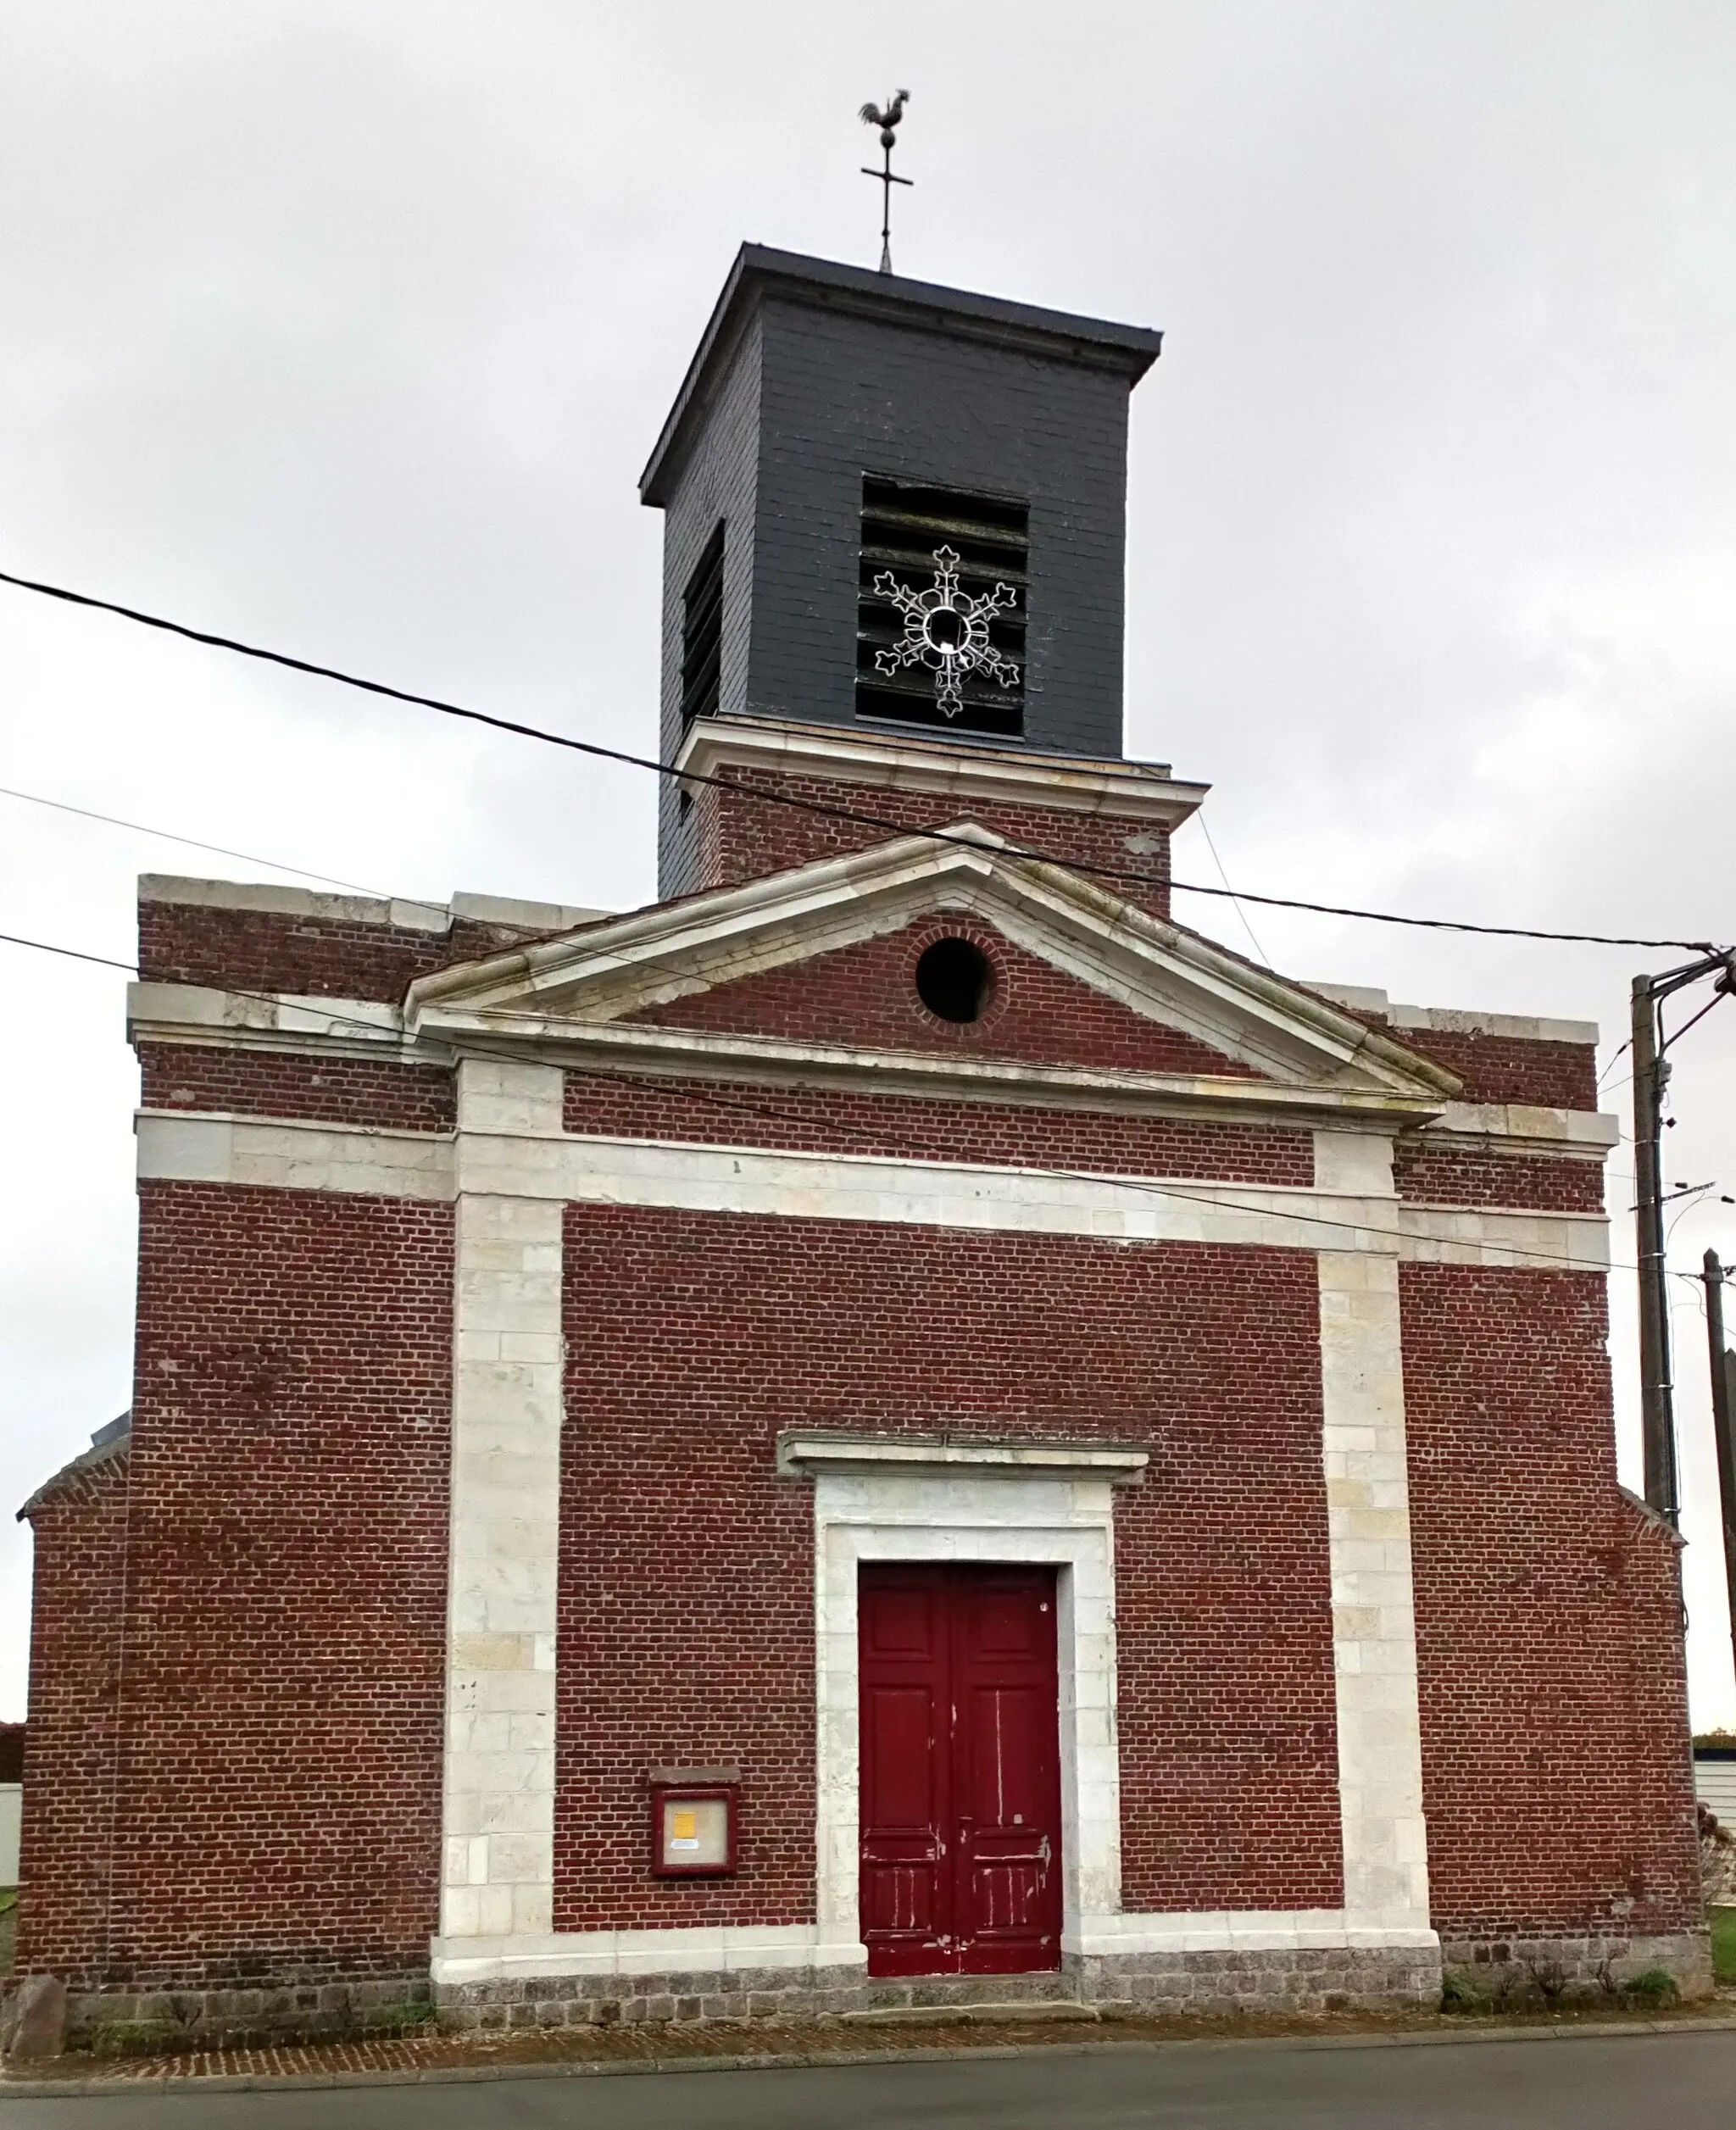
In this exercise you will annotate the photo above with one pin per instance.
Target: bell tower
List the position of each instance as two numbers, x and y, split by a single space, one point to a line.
895 510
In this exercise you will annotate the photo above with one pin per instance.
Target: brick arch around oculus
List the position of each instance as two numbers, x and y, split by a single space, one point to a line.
865 995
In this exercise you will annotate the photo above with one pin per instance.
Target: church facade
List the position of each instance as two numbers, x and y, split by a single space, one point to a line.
894 1426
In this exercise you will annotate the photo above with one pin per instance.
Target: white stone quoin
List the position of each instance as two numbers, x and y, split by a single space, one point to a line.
500 1692
1374 1631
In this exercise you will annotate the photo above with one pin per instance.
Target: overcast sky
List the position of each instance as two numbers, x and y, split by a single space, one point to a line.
346 326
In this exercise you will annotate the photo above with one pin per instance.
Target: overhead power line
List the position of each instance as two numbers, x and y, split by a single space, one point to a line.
1260 952
1538 1260
220 850
73 954
598 752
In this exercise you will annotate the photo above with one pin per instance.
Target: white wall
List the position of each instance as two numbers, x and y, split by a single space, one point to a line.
11 1808
1714 1785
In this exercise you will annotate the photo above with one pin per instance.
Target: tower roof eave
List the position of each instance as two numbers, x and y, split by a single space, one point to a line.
927 306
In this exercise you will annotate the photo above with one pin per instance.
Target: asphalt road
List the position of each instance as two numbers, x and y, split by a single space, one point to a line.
1674 2082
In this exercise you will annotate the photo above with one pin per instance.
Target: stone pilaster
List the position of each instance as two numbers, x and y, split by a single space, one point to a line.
1374 1634
499 1801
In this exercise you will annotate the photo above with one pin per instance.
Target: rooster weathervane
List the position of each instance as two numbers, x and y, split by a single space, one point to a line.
886 120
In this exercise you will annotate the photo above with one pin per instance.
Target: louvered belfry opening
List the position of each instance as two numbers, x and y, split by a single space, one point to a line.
702 632
904 524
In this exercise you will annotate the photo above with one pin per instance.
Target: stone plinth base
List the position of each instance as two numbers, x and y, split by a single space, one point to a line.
1335 1978
1578 1967
117 2021
602 2000
1144 1985
1141 1984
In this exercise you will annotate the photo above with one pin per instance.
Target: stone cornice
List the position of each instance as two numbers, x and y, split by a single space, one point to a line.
363 1027
1522 1128
1068 783
805 1453
399 914
1457 1020
284 1022
270 899
325 1028
288 1023
1169 974
318 1027
679 1053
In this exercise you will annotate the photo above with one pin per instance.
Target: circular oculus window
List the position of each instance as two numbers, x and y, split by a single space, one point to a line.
955 981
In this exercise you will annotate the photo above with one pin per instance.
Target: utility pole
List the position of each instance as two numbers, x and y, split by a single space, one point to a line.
1723 1386
1652 1073
1657 1418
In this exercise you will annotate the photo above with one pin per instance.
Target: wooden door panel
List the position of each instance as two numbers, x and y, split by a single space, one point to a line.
1006 1770
1001 1621
906 1803
898 1913
1004 1778
904 1620
960 1798
900 1726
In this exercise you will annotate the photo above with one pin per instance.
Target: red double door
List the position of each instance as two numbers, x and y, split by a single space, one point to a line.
961 1834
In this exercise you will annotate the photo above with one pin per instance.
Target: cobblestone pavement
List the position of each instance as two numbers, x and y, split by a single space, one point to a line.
1681 2080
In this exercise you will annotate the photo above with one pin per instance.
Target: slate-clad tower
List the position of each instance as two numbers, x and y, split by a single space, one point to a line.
837 426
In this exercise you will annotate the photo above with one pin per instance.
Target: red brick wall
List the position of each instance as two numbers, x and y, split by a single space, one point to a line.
686 1578
79 1527
741 835
1556 1778
271 1083
1555 1076
281 1714
865 995
312 957
910 1127
1447 1177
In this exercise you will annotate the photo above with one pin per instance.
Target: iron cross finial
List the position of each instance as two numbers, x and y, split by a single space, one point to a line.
886 120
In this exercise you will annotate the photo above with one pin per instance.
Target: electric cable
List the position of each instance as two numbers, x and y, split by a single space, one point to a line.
1718 992
531 933
672 1083
221 850
72 954
855 815
1241 914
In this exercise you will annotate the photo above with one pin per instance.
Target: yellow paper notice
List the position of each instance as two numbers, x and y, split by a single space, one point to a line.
683 1825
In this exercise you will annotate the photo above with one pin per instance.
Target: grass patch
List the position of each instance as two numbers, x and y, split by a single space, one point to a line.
1723 1923
385 2021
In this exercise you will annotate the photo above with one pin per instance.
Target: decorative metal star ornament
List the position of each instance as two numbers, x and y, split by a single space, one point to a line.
947 630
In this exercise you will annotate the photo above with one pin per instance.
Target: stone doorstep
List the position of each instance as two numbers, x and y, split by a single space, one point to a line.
1027 2011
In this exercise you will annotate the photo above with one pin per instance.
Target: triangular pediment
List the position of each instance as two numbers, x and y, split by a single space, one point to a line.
868 994
1239 1021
